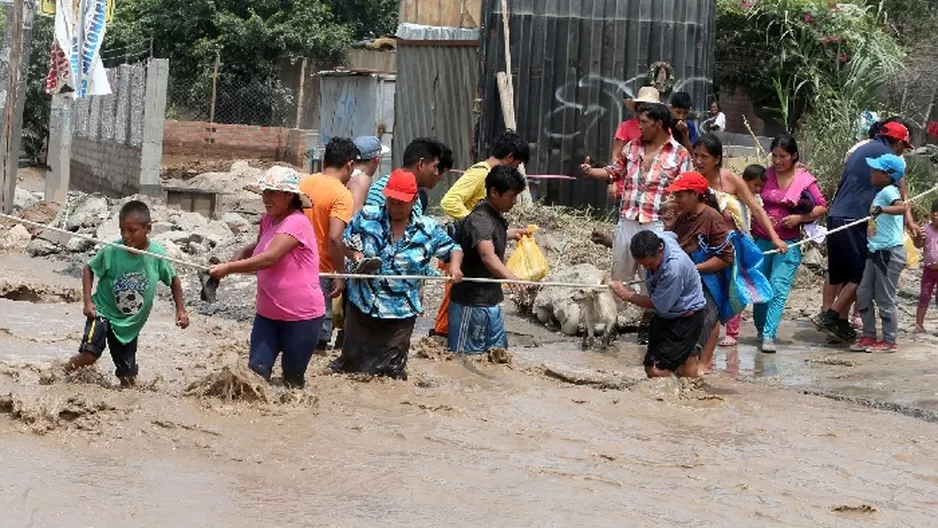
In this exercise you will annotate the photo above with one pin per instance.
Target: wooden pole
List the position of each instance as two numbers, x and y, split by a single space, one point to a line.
506 94
300 96
211 110
7 150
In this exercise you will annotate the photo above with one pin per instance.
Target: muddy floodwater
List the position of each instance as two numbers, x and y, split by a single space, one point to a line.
550 436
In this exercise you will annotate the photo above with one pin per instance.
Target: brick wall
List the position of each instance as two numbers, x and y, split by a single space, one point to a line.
234 141
737 105
104 166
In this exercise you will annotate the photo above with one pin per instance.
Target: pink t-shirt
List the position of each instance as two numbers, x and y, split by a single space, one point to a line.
289 290
930 249
628 130
773 201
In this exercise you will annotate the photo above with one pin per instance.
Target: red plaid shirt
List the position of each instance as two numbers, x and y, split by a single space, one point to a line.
643 194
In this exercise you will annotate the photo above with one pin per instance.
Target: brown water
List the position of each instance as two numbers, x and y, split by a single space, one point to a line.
462 443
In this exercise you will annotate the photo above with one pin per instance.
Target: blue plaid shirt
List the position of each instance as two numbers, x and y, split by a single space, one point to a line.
376 196
370 232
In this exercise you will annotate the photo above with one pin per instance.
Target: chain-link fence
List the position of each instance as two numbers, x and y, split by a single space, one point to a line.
230 99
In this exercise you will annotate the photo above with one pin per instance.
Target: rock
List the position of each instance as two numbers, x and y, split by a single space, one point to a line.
179 238
158 228
91 212
16 239
79 245
241 170
41 248
187 221
24 199
109 231
217 233
173 251
236 223
196 248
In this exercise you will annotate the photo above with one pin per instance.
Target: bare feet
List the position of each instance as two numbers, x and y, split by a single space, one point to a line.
919 329
729 341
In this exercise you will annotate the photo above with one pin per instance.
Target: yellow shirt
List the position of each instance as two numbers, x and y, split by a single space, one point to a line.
330 199
467 192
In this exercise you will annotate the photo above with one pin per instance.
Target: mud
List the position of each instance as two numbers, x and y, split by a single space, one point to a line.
465 441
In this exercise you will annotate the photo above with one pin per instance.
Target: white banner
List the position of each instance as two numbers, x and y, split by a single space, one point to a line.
79 29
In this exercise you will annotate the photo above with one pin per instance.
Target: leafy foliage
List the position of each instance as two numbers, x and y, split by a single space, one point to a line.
367 18
37 104
791 53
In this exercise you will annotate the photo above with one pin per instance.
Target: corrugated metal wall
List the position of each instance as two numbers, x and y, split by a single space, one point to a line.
434 97
357 105
574 61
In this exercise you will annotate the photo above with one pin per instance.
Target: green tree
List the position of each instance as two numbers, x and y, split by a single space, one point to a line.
249 37
36 107
367 18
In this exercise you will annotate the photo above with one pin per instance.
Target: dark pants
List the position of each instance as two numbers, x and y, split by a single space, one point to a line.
295 339
373 345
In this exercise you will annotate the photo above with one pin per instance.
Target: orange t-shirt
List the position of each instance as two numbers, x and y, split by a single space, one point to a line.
331 199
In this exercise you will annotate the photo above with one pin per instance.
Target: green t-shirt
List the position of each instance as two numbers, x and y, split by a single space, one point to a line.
126 286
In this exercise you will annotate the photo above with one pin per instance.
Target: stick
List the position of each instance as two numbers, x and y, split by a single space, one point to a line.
755 139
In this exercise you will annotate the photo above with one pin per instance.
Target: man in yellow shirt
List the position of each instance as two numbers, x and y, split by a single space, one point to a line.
330 213
510 149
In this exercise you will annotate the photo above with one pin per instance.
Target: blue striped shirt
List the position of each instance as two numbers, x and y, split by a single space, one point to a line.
370 232
376 195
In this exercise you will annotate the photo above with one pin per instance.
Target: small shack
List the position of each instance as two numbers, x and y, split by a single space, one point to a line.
438 78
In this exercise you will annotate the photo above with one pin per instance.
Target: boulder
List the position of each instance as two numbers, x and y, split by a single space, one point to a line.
236 223
24 199
173 251
15 239
158 228
217 233
41 248
109 231
178 238
91 211
187 221
79 245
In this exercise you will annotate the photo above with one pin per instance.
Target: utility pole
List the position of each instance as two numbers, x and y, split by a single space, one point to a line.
19 24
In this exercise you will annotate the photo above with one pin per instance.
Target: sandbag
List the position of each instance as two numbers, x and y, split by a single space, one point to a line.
912 255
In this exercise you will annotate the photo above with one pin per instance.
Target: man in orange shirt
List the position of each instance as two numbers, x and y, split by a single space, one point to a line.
330 213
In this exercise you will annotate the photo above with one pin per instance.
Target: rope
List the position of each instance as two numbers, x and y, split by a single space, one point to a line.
547 284
851 224
202 267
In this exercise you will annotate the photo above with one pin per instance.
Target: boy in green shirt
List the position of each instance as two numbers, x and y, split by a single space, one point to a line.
121 304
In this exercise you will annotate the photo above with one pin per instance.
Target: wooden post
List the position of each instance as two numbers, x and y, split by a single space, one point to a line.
211 110
8 150
506 94
300 96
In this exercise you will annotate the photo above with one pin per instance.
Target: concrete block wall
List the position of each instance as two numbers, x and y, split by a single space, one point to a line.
235 141
115 140
106 167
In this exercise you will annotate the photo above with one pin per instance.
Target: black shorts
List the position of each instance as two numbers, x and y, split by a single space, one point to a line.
846 251
672 341
98 336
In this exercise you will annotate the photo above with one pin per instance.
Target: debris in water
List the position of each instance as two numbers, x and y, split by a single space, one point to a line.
833 361
862 508
43 416
588 379
428 407
237 383
499 356
431 348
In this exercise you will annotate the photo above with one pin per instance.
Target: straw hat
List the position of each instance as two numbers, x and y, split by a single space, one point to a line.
646 94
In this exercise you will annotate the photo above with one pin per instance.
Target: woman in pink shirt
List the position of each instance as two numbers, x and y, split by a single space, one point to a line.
290 304
790 197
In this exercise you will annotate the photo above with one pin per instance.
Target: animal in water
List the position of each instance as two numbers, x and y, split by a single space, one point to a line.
597 309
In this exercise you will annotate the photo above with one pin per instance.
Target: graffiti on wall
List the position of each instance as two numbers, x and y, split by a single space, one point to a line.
612 91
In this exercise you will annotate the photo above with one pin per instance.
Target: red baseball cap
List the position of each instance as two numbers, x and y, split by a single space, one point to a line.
897 131
402 185
689 181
